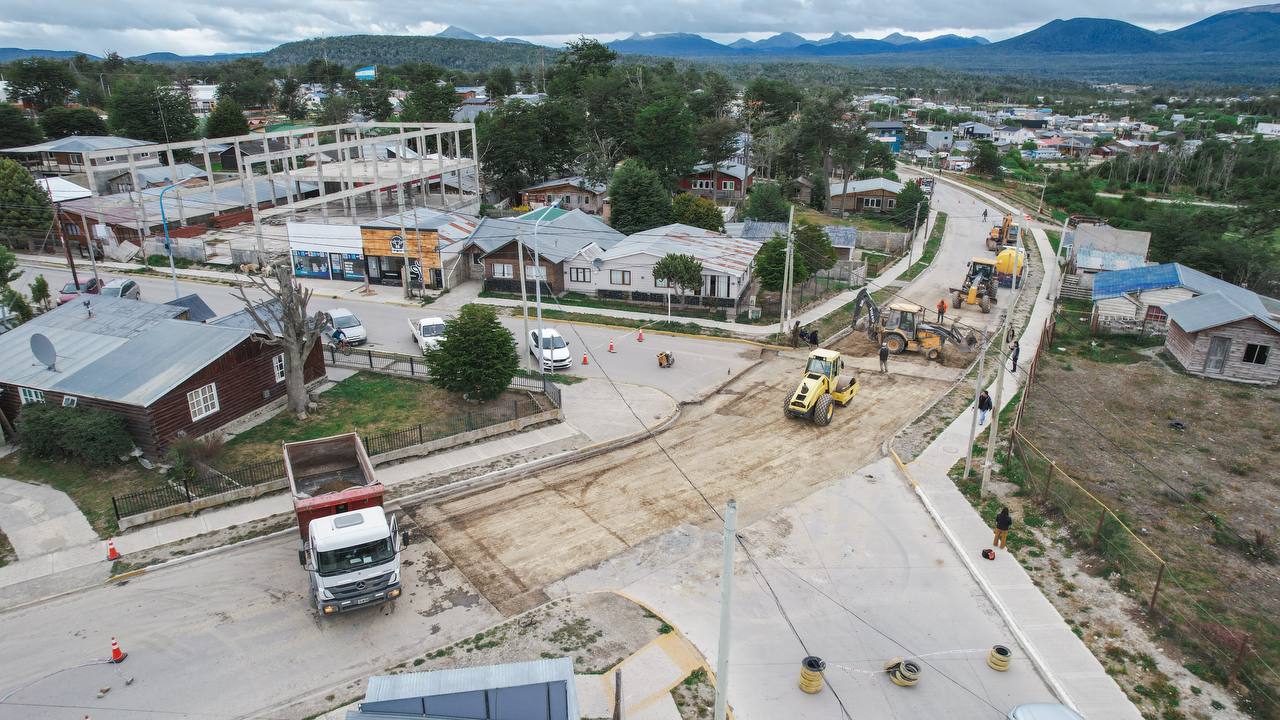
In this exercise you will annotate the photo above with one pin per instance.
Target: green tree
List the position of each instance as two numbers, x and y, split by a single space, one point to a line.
226 120
60 122
717 142
765 203
372 101
16 303
987 161
711 100
521 143
582 58
639 199
477 356
771 261
15 129
43 82
40 291
777 100
911 197
821 192
334 110
430 103
1029 145
683 273
25 212
290 101
880 157
8 267
813 246
665 140
500 83
248 82
689 209
147 111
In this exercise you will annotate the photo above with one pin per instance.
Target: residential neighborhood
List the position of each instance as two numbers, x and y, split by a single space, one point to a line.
881 372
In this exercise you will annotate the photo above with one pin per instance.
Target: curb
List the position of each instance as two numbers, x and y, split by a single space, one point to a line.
1033 655
670 333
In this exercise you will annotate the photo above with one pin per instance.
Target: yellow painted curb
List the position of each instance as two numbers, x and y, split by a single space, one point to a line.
902 466
126 575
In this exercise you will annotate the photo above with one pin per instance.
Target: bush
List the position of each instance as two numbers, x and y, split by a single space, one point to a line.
477 356
89 435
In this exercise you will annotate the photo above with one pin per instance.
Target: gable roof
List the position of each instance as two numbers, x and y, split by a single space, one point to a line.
762 231
1168 275
732 169
559 238
79 144
61 189
449 227
126 351
861 186
717 252
197 309
1211 310
574 180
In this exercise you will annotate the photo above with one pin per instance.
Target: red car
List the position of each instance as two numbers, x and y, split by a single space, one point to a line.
71 290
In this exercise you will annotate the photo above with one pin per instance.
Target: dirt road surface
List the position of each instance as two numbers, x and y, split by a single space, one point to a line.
735 444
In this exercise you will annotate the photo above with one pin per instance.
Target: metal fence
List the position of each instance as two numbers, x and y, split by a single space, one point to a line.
205 483
414 366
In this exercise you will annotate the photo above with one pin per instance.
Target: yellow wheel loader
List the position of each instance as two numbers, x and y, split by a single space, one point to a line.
823 386
979 286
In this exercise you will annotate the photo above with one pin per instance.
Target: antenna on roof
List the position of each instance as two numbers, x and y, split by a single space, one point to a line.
42 348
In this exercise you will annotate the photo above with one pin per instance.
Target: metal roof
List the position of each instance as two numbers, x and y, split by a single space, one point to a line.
575 180
842 236
198 201
559 238
392 696
270 311
732 169
61 190
450 226
1206 311
166 173
717 252
762 231
79 144
1088 258
861 186
1105 238
1233 298
125 351
197 309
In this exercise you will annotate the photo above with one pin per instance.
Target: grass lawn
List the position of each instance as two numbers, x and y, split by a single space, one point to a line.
367 403
1055 239
862 222
90 488
930 249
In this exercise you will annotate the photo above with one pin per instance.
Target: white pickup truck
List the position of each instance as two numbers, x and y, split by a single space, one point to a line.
427 332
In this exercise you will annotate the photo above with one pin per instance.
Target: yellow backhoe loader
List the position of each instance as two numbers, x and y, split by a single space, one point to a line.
903 327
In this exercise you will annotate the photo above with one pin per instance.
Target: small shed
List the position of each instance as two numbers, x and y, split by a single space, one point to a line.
1226 337
535 690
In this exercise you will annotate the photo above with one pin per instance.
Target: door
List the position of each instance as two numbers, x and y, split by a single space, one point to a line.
1217 359
335 266
713 285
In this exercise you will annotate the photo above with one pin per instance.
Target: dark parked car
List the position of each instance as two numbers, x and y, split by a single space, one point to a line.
71 291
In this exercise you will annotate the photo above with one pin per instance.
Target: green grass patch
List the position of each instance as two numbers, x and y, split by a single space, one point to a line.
1072 338
930 249
573 299
556 378
367 403
7 554
869 222
90 487
162 261
1055 239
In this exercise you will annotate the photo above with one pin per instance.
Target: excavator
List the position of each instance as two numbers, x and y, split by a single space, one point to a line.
1003 235
903 327
979 287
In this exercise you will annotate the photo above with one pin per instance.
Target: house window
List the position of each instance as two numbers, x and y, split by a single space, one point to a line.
580 274
890 203
660 282
871 202
1256 354
702 185
727 184
619 277
31 395
503 270
535 272
203 401
1156 314
277 364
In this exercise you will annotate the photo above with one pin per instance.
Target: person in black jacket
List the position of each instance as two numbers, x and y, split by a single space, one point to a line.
884 357
1003 523
984 407
1013 354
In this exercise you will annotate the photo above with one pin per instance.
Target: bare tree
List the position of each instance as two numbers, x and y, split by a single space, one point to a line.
284 321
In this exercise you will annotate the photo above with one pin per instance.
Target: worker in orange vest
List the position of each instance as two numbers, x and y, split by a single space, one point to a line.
942 309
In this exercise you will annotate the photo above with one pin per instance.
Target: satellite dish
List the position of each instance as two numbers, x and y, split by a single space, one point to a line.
597 263
42 348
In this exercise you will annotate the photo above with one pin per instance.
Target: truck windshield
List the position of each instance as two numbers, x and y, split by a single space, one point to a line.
432 330
332 562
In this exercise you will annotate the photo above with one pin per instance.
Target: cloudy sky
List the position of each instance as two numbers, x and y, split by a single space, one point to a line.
189 27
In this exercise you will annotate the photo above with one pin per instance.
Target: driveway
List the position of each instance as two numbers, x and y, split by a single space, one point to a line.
39 520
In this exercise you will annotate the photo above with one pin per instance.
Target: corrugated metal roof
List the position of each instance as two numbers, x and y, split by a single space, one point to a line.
1108 239
382 688
122 208
79 144
128 351
269 310
717 252
732 169
1154 277
842 236
61 190
152 175
559 238
1088 258
197 309
861 186
1205 311
761 230
450 226
575 180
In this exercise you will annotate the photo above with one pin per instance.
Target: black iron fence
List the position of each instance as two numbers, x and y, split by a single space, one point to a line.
205 483
415 367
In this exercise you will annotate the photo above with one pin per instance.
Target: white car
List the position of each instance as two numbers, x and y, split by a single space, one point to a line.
122 289
554 352
1043 711
427 332
346 321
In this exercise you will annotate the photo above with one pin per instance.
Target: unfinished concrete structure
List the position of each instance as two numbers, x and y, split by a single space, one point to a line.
341 171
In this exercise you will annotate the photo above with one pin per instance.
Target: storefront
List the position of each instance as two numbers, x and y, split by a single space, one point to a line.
390 253
328 252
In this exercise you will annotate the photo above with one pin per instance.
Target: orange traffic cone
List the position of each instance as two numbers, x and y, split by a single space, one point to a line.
112 553
584 358
611 345
640 337
117 655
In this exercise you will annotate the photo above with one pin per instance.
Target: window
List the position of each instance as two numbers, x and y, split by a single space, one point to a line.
277 364
1156 314
660 282
503 270
619 277
727 185
890 203
702 185
31 395
203 401
1256 354
535 272
581 275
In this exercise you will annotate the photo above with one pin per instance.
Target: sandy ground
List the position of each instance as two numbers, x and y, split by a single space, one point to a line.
737 443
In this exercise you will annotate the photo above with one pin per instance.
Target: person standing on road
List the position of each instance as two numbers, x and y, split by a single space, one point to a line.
942 309
1003 522
884 357
984 407
984 216
1013 355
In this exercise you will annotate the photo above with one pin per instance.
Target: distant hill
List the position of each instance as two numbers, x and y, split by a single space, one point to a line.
899 39
11 54
1091 35
834 37
469 55
942 42
781 40
453 32
168 57
1251 28
673 45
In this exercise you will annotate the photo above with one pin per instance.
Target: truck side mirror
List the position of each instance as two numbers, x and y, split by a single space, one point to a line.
404 538
302 558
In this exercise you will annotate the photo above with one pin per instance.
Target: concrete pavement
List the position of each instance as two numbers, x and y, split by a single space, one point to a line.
40 520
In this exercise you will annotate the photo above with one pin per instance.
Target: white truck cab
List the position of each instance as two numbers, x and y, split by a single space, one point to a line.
353 559
427 332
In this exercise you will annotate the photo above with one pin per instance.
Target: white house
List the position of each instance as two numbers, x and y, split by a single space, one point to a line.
1266 129
627 267
1013 134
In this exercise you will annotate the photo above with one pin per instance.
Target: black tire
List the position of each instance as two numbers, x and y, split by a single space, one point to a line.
897 344
934 354
823 410
985 304
959 301
786 407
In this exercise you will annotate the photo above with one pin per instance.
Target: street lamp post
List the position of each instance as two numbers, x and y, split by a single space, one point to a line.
168 242
537 284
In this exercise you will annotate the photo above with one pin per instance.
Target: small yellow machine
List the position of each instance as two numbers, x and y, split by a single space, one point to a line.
823 385
979 286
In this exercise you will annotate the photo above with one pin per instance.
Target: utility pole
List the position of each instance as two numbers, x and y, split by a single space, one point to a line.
524 303
57 222
1040 205
784 311
973 423
915 226
726 602
537 281
993 435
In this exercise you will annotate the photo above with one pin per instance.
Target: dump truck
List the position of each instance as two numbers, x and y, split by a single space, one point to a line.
351 546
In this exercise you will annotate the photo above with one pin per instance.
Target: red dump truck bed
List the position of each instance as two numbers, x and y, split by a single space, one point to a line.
329 476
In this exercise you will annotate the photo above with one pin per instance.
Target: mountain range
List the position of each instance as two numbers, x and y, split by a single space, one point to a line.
457 33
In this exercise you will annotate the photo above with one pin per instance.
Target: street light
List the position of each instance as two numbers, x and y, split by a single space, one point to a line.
168 243
537 283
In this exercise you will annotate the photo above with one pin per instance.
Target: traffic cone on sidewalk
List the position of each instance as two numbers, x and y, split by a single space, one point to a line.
112 553
611 345
584 358
640 337
117 655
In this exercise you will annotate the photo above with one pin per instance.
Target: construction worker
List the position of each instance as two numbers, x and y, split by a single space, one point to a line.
884 357
942 309
1013 355
984 216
